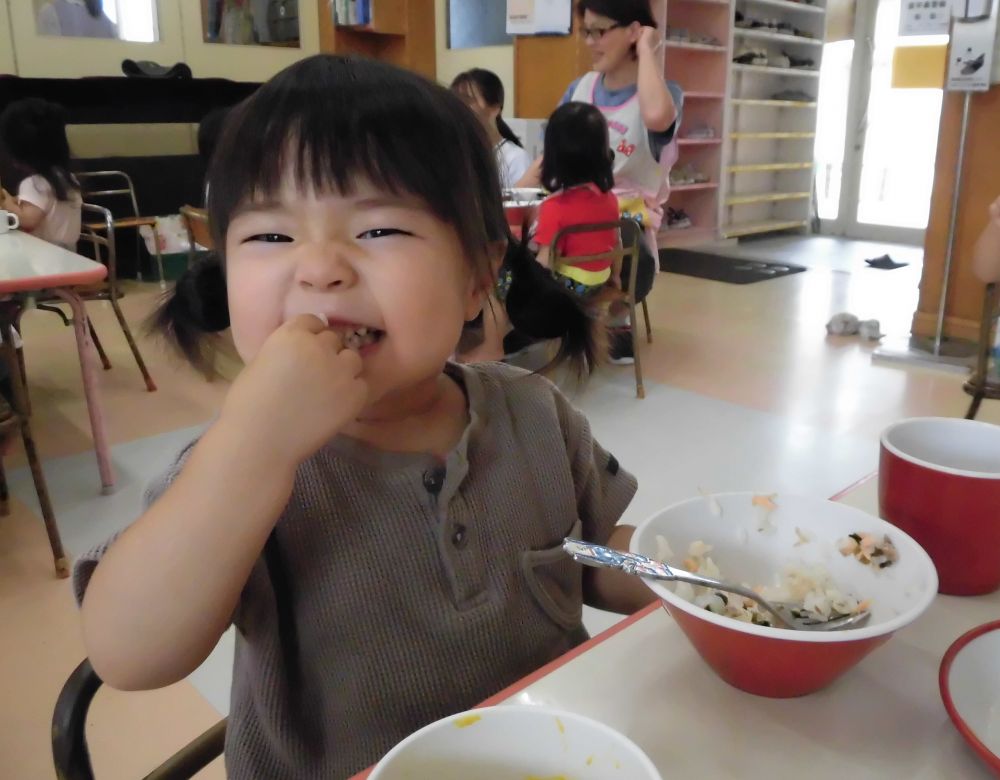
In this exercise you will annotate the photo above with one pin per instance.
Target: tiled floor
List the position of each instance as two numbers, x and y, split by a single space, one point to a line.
745 391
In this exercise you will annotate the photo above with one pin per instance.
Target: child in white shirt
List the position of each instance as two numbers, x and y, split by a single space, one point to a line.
48 202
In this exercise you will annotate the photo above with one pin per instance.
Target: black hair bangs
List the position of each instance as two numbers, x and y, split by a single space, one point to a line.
622 11
330 123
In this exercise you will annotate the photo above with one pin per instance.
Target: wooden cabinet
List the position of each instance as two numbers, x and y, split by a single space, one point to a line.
544 66
401 32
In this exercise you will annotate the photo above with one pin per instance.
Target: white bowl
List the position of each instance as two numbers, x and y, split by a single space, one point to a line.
970 688
514 743
773 661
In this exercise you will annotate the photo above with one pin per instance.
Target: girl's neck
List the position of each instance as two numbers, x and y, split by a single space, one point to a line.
623 75
429 417
494 134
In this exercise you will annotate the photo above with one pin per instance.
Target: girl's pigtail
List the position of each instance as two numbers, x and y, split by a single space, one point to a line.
540 307
196 307
506 132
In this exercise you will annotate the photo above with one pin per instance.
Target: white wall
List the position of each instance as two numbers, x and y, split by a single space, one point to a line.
451 62
7 62
54 57
243 63
181 40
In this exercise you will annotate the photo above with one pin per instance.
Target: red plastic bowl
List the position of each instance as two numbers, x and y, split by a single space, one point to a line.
969 680
939 480
775 662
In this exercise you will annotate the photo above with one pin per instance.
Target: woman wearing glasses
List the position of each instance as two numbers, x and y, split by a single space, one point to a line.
643 113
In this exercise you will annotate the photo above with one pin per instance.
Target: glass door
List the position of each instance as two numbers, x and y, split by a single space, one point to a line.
876 145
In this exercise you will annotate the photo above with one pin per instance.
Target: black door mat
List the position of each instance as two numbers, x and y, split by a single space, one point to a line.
721 268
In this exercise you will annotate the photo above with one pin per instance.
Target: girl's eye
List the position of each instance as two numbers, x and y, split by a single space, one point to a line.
269 238
383 233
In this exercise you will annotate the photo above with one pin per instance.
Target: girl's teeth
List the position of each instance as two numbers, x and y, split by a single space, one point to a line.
361 337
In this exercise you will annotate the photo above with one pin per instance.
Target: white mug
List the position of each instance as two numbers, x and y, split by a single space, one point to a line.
8 221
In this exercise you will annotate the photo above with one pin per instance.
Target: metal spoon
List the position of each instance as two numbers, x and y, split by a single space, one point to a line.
787 615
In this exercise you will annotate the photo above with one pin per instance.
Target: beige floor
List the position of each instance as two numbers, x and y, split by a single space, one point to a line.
761 346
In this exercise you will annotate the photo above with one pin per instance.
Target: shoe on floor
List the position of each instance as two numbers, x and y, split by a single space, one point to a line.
620 347
884 262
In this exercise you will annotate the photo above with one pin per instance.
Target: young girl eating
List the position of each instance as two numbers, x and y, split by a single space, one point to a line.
48 202
381 526
576 168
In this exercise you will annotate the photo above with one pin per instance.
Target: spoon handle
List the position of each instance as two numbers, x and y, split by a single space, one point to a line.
639 565
599 556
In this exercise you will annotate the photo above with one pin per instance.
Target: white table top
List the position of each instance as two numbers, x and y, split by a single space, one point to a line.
29 263
883 719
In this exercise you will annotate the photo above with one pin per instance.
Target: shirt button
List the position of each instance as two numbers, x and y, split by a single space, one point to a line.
459 536
434 480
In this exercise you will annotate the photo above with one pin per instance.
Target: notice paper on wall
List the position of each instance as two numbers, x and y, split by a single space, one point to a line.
925 17
973 45
539 17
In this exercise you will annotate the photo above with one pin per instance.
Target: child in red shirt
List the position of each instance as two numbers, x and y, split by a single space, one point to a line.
577 169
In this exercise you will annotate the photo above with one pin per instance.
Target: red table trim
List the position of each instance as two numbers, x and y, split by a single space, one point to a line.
37 283
992 759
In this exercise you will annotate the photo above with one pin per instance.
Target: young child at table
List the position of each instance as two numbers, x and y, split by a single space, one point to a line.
482 91
382 527
576 169
33 136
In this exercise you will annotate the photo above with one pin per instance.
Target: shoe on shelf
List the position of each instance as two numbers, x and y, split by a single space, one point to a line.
751 57
700 132
799 62
677 219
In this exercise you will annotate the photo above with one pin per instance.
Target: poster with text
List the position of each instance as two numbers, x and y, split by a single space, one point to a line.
973 40
925 17
539 17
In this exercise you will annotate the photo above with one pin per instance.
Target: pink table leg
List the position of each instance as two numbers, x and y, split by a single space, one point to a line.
91 389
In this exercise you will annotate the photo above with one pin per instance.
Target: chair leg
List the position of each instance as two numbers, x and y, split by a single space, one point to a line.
977 399
98 346
645 316
24 376
150 384
159 259
20 408
55 542
4 491
640 389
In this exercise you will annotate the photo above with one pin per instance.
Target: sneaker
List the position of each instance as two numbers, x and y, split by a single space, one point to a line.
620 347
677 219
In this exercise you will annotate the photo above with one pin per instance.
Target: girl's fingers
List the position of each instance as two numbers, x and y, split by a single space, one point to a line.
312 323
331 338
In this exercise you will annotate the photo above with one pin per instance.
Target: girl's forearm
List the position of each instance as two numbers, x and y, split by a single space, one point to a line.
28 215
166 590
615 590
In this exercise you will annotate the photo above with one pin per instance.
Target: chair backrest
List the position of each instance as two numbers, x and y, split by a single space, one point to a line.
92 217
196 222
631 249
110 185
